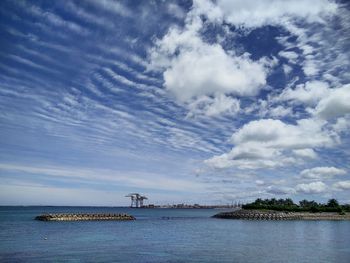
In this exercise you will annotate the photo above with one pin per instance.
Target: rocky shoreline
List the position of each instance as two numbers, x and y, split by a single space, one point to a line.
276 215
84 217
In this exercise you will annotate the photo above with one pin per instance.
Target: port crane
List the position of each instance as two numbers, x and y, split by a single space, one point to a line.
136 199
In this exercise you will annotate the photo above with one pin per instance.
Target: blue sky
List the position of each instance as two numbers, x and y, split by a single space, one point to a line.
196 102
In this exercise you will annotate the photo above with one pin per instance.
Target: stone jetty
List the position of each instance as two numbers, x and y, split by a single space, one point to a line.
84 217
258 215
277 215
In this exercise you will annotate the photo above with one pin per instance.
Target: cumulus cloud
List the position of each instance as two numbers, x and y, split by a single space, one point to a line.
323 102
311 188
193 68
309 93
269 143
321 172
277 134
336 104
342 185
209 70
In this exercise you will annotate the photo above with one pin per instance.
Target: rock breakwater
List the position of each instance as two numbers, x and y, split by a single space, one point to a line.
84 217
276 215
258 215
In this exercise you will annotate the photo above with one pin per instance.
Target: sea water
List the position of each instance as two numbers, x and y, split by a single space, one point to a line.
167 235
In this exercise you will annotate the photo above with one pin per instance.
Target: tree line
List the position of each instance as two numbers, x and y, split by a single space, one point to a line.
303 206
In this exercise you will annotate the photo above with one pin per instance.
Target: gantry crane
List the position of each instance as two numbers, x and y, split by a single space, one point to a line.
136 199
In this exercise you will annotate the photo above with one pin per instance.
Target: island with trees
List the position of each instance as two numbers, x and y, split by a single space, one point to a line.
286 209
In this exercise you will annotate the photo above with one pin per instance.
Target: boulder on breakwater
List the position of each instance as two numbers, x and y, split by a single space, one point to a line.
84 217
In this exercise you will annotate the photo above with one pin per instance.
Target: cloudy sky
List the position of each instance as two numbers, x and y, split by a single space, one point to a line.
207 102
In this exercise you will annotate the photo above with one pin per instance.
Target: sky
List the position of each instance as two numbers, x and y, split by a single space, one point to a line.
208 102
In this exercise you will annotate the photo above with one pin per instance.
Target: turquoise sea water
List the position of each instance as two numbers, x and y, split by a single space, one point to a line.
167 235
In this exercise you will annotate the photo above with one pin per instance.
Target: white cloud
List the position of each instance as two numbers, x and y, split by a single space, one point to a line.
280 111
342 185
321 172
275 133
268 108
342 124
206 7
309 93
306 153
194 68
269 143
267 12
214 106
115 7
211 70
280 190
287 69
175 10
336 104
310 67
307 49
290 55
311 188
52 19
259 182
323 46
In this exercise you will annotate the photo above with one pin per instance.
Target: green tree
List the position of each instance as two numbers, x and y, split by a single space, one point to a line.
306 204
289 202
332 203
